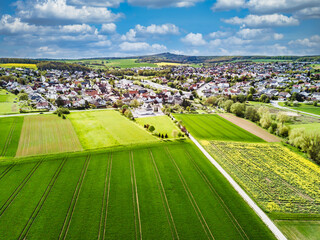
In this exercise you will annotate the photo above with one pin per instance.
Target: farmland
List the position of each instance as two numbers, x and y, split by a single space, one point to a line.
300 230
47 134
134 193
10 129
305 108
8 102
18 65
108 128
162 124
214 127
278 179
120 63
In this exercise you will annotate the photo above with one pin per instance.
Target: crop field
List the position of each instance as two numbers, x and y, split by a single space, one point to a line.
278 179
10 129
8 102
300 230
18 65
47 134
121 63
101 129
305 108
163 124
214 127
165 191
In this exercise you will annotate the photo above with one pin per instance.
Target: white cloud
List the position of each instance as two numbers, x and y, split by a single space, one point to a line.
247 33
272 20
108 28
313 12
313 41
164 3
77 28
163 29
219 34
278 36
49 11
141 47
223 5
11 25
129 36
104 43
96 3
194 39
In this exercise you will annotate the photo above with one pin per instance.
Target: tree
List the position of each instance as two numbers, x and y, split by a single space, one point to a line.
263 98
238 109
23 97
282 117
166 136
134 103
151 128
252 114
60 102
227 105
252 90
211 101
266 120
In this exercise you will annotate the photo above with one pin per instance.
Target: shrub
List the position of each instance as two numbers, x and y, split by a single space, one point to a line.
266 120
63 116
238 109
151 128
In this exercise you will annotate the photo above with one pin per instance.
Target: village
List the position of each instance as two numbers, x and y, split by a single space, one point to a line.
50 89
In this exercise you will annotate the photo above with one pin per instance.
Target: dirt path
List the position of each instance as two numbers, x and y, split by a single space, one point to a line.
251 127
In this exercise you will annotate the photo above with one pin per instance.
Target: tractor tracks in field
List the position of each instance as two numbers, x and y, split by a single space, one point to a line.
66 225
15 193
216 194
135 199
164 199
191 197
8 140
6 170
27 227
105 201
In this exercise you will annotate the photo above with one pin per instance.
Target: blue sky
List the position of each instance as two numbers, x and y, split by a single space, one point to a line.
112 28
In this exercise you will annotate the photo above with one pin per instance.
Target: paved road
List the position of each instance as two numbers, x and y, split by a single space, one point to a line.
276 104
279 235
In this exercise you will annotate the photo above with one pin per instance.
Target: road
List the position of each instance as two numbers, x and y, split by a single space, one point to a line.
274 229
276 104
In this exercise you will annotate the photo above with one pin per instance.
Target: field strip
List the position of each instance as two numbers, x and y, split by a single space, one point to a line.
8 140
164 197
136 193
279 235
7 170
191 198
105 200
26 229
67 221
19 188
222 203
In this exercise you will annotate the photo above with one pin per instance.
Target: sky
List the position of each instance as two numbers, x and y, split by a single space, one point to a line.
119 28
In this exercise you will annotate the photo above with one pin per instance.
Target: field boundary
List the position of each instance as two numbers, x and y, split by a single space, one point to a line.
74 200
193 202
274 229
164 196
19 188
42 200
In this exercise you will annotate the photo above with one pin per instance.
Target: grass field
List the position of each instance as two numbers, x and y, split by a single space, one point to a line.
10 129
8 102
162 64
108 128
300 230
162 124
214 127
47 134
18 65
278 179
104 63
312 127
304 108
168 191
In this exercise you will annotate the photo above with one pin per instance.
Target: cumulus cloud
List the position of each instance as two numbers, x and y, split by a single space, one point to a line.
96 3
77 28
51 11
129 36
219 34
163 29
12 25
313 12
164 3
194 39
313 41
108 28
141 46
223 5
271 20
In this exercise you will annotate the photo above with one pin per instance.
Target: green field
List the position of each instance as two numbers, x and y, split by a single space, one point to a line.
304 108
8 102
108 128
311 127
163 124
104 63
214 127
47 134
278 179
300 230
18 65
10 129
165 191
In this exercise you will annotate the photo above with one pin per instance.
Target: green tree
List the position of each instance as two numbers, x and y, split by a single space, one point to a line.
151 128
23 97
238 109
227 105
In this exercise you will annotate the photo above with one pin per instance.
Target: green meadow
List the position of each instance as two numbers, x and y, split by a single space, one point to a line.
8 102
